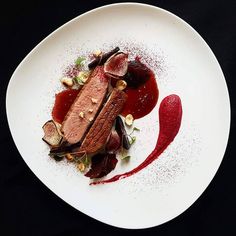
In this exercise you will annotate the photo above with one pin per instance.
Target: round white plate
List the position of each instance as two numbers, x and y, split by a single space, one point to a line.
183 63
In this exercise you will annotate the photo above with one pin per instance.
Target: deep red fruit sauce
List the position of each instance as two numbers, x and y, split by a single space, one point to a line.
62 104
142 90
170 116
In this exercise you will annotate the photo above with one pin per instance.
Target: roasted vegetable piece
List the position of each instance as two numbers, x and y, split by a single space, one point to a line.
137 74
52 135
120 128
113 143
102 164
64 148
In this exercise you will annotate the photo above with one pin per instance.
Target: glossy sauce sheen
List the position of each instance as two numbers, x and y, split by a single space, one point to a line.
143 99
62 104
170 116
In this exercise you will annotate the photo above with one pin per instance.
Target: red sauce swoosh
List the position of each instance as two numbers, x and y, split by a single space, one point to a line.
170 116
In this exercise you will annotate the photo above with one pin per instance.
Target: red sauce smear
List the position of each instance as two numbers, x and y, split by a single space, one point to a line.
63 103
170 115
143 98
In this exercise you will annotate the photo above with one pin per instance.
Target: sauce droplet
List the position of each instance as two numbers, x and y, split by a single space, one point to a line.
170 116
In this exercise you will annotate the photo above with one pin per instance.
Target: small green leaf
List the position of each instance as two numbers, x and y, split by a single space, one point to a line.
125 158
79 80
133 139
136 129
86 161
82 77
79 61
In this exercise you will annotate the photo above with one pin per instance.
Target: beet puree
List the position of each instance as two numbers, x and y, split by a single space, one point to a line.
170 115
63 103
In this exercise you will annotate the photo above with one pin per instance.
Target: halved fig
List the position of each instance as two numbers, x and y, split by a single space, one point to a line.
52 135
117 65
102 58
113 143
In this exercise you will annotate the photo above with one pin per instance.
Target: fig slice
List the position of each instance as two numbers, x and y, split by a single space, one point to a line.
101 59
52 135
117 65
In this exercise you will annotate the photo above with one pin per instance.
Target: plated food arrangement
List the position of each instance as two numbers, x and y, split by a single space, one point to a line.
100 101
113 113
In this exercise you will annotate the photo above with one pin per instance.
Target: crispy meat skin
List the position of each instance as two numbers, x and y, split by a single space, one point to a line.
85 107
101 128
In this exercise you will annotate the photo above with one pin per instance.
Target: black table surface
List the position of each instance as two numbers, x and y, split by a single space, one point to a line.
27 207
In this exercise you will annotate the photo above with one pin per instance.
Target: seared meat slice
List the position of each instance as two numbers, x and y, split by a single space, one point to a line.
85 107
97 136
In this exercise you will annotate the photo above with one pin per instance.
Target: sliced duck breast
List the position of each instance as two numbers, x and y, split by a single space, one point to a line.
87 104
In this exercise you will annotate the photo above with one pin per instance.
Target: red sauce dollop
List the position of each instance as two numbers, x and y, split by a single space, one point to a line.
142 90
62 104
170 116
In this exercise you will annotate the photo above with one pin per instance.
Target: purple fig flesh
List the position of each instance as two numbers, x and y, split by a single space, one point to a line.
117 65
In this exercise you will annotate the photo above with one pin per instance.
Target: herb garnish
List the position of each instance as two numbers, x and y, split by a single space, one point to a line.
132 139
82 77
79 80
83 159
79 61
136 129
126 158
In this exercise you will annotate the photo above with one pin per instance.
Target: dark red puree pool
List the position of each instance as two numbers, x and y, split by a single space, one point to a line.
142 90
170 115
62 104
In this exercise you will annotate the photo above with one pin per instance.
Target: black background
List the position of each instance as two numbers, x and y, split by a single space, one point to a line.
27 207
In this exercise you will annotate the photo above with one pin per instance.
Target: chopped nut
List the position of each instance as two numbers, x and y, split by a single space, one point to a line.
97 53
90 110
94 100
81 166
67 81
121 84
129 119
69 157
81 114
90 119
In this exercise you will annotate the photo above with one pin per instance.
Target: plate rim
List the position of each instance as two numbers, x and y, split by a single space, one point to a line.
87 13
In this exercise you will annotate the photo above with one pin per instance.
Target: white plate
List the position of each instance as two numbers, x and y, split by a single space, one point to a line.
183 63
